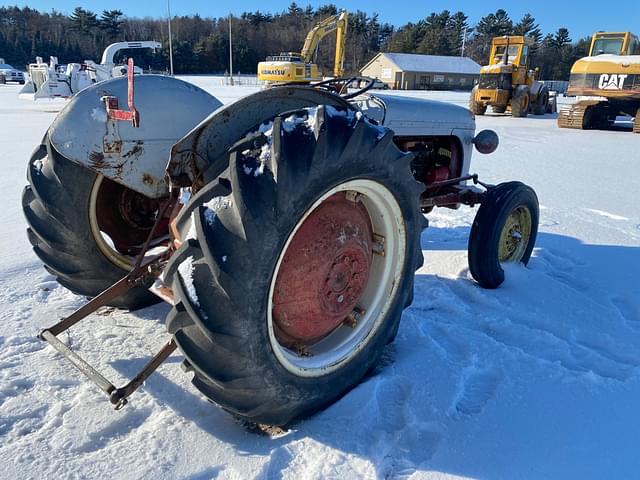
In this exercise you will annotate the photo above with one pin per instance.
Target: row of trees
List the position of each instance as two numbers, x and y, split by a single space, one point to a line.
201 45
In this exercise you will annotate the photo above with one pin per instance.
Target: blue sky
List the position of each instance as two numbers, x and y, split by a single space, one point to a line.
581 18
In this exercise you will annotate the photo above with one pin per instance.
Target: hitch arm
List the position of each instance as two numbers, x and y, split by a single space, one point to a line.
138 275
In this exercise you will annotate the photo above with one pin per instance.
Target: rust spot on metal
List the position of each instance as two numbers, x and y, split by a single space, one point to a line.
97 161
136 151
147 179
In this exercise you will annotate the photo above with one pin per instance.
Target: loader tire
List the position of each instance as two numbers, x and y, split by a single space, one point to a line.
277 312
542 101
520 102
636 122
504 230
476 107
56 204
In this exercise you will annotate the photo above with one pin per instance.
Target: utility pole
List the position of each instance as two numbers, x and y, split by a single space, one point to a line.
230 53
170 41
464 41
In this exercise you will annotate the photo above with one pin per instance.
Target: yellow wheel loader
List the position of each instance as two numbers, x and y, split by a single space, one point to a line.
507 82
292 67
607 83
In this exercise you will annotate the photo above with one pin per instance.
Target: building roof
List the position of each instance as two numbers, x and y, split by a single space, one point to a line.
412 62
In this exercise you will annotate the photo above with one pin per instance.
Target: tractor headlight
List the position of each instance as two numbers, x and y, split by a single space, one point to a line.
486 141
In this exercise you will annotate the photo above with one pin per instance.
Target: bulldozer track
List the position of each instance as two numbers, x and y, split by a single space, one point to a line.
572 116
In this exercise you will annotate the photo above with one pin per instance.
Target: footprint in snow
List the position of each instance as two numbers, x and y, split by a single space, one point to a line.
476 388
629 311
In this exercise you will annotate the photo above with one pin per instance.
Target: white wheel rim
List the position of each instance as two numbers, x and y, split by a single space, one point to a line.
343 344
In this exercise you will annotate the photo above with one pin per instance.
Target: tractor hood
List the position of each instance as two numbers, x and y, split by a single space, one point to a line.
417 116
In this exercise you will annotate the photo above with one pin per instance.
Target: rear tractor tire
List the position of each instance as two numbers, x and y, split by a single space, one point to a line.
542 102
285 299
78 228
504 230
520 102
476 107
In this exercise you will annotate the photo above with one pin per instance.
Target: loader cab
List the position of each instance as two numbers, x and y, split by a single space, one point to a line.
614 43
510 50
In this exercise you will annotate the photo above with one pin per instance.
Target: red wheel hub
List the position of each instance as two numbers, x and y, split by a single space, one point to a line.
323 272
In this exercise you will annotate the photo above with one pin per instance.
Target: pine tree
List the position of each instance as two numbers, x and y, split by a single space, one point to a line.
458 28
83 21
111 22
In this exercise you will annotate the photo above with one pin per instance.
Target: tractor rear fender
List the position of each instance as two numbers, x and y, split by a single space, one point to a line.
205 147
134 157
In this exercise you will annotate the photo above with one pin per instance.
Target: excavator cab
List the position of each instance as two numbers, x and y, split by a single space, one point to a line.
614 43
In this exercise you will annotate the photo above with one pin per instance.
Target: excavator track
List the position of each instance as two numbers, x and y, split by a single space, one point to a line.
572 116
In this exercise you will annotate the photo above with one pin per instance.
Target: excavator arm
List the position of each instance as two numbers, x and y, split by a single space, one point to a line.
337 23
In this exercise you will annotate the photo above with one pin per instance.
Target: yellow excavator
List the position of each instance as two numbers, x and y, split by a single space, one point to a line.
607 83
509 82
292 67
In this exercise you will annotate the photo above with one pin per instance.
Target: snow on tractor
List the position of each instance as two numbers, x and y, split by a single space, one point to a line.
284 229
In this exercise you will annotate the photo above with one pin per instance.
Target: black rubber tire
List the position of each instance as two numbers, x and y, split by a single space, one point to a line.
56 206
498 109
521 102
540 107
475 107
488 223
636 122
223 331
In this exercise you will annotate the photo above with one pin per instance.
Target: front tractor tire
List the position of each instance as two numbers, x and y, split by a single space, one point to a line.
297 263
77 229
476 107
521 101
504 230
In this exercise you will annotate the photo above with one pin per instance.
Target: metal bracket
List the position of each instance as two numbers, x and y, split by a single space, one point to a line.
111 103
138 275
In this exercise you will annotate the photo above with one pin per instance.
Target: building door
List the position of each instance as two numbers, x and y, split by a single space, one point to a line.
398 83
425 82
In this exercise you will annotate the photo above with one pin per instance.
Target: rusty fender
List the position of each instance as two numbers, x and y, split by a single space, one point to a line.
134 157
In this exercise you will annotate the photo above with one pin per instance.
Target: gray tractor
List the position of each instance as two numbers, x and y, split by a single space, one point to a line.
283 229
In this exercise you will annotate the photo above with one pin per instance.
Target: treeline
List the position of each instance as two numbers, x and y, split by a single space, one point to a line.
201 45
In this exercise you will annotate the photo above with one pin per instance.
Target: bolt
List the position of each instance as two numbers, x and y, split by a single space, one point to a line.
340 298
378 245
352 196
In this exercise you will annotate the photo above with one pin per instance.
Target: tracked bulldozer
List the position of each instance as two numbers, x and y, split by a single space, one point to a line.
607 83
292 67
283 229
508 82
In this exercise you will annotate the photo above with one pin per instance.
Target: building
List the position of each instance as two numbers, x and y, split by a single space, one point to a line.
409 71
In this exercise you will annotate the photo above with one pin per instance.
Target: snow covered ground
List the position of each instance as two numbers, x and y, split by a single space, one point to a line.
537 379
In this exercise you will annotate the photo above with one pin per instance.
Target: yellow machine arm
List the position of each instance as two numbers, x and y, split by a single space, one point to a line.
336 23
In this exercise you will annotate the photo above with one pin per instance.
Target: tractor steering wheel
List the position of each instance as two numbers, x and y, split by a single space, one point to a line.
340 85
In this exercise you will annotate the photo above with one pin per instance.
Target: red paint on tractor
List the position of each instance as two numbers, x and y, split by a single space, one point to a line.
323 272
